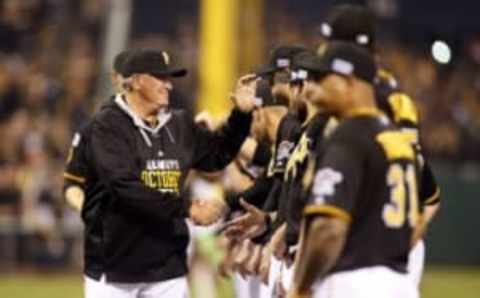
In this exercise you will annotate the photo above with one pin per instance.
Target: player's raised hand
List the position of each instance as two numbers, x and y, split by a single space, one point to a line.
244 94
248 225
206 212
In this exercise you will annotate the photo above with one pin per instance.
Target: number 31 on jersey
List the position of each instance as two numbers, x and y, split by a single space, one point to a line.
401 179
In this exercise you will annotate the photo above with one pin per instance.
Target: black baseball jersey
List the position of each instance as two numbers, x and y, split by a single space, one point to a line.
288 133
133 177
401 109
368 175
293 196
265 191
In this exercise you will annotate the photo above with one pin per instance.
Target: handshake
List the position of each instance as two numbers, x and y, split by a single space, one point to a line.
206 212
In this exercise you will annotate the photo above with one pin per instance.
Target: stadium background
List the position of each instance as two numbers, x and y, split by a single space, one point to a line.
54 61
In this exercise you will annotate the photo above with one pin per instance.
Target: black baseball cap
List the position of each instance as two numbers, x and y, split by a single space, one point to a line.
343 58
153 62
353 23
119 62
280 58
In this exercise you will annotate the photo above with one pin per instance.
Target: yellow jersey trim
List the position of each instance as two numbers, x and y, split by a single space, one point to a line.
327 209
403 107
75 178
433 198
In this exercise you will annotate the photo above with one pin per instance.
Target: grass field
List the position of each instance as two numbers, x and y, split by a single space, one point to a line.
438 282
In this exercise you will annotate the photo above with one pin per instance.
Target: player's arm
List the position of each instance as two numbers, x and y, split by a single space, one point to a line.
327 216
321 243
255 153
430 200
254 195
75 174
214 150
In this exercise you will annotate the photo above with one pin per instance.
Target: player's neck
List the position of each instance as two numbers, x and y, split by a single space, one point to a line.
273 118
312 111
362 102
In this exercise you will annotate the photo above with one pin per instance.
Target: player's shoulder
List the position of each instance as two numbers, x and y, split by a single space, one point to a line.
83 132
179 114
108 113
361 127
180 119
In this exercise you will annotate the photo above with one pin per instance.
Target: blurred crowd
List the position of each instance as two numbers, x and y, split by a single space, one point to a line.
50 53
448 96
48 70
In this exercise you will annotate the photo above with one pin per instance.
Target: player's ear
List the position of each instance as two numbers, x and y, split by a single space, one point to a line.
136 82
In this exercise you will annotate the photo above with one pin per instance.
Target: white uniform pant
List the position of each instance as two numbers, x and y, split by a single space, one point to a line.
266 291
171 288
248 287
371 282
279 275
416 261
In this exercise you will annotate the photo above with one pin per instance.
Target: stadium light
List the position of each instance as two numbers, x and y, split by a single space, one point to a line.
441 52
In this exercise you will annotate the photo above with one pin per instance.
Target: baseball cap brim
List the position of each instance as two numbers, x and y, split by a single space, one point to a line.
312 63
175 73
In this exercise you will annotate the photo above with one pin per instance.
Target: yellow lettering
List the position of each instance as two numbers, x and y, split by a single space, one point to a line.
298 156
394 212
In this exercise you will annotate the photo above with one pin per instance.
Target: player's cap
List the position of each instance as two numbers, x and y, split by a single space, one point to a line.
280 58
351 23
343 58
152 62
300 64
119 62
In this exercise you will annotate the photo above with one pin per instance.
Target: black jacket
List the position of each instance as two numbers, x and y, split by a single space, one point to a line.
133 177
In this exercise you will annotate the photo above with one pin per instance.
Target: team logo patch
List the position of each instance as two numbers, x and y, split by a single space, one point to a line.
324 184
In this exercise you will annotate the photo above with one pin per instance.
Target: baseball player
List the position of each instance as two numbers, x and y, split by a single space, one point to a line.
275 74
363 203
355 24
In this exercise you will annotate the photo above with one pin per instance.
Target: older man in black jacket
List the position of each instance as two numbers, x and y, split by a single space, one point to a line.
131 162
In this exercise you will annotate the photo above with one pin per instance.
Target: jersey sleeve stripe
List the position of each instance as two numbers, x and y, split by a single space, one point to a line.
75 178
329 210
434 198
